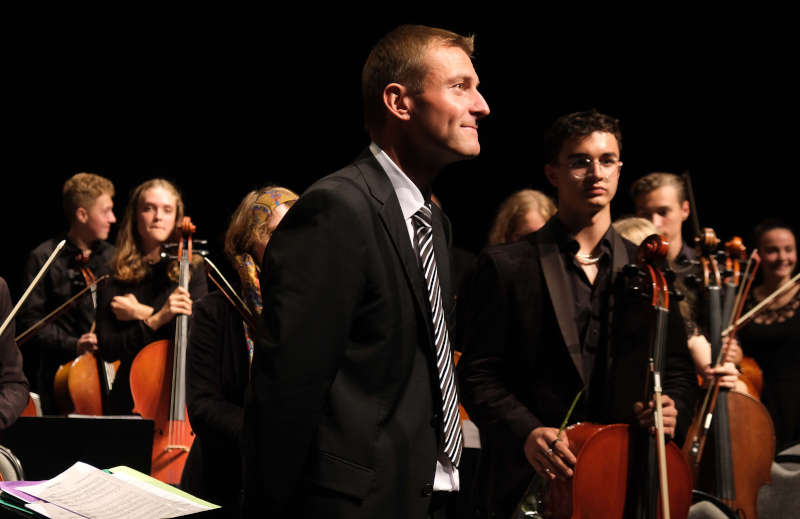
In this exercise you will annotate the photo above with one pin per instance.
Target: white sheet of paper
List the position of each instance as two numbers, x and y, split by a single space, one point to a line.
90 492
52 511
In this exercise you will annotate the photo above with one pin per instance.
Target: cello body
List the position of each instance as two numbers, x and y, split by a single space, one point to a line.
752 449
599 486
151 386
78 386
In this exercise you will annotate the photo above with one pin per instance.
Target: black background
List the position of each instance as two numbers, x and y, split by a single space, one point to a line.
222 103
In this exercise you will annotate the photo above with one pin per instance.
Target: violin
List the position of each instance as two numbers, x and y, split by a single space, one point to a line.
158 384
737 427
620 469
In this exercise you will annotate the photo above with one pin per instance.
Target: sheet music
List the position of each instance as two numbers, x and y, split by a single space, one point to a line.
52 511
95 494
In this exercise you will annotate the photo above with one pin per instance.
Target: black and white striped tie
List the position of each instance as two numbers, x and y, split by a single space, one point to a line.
444 358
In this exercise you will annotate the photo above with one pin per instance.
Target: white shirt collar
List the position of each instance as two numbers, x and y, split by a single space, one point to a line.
408 193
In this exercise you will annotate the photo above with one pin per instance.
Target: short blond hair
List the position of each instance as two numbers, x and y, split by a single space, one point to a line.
399 57
83 190
634 229
513 210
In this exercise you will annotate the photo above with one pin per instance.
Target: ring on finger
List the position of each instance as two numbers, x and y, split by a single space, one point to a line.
549 452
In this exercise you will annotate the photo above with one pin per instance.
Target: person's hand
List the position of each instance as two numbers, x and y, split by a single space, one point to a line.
128 308
179 302
86 342
728 374
549 454
735 353
645 415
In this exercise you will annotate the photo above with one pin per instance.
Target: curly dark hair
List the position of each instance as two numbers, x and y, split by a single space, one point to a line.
577 124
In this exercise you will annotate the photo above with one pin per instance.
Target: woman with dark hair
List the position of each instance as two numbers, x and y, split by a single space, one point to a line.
139 304
773 337
219 353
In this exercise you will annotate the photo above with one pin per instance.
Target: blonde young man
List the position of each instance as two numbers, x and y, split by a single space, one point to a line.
89 209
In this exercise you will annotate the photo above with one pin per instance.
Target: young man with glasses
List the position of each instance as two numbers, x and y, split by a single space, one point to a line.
545 318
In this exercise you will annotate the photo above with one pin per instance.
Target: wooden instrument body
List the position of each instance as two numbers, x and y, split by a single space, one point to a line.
78 385
598 488
151 385
752 450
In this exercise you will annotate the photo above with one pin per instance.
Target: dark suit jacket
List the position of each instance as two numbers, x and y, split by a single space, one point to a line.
520 367
13 384
341 417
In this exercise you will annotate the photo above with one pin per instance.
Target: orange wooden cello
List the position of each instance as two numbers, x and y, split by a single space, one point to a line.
158 384
622 471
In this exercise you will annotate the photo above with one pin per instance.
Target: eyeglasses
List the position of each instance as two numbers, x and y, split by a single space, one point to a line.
579 166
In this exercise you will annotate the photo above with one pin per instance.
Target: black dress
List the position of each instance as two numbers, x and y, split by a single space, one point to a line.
217 368
122 340
773 340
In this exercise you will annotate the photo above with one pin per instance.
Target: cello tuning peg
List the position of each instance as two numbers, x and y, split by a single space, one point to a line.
200 242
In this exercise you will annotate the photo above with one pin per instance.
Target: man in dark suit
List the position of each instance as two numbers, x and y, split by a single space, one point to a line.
545 317
347 413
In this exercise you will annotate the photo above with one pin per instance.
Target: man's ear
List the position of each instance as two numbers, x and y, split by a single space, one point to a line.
685 211
81 215
397 101
550 173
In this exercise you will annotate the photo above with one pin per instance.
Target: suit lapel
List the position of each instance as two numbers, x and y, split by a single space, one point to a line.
392 217
555 276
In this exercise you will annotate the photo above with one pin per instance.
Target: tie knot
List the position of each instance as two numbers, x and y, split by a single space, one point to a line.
423 216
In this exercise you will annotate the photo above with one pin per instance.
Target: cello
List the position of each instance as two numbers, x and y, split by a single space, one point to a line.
158 384
612 460
737 427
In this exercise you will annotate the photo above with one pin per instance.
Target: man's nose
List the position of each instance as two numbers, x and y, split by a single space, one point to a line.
480 108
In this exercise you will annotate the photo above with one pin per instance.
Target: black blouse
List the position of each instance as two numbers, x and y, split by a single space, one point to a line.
773 340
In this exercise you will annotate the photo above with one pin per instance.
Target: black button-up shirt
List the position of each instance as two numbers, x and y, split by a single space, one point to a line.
591 301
